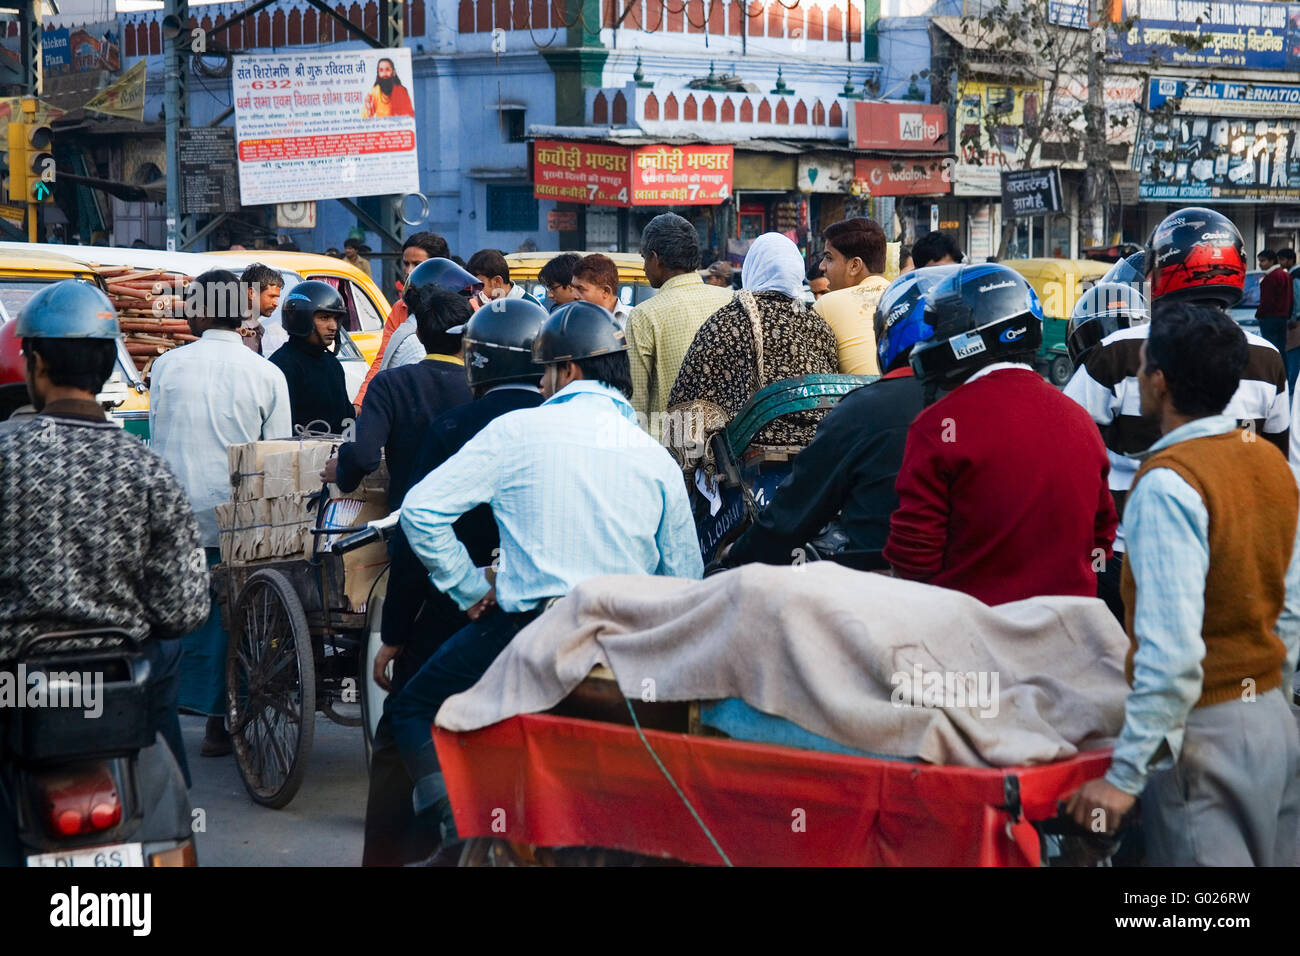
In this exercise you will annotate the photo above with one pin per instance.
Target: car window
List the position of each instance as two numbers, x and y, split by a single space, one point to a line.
366 311
1250 297
14 293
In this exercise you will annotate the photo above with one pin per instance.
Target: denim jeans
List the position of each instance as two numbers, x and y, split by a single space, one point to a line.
1273 328
456 667
1292 368
164 692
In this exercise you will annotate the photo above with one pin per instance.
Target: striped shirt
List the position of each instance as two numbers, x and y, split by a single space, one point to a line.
659 333
1106 386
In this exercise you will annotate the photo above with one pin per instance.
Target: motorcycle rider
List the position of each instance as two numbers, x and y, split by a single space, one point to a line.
978 510
850 467
403 347
499 369
318 390
95 530
1194 255
577 490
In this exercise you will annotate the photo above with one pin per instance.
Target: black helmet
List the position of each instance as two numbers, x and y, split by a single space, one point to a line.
980 314
1197 255
298 309
499 343
1129 271
575 331
1105 308
444 274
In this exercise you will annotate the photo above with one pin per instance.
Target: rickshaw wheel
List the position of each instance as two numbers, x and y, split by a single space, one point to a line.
270 688
371 694
1059 370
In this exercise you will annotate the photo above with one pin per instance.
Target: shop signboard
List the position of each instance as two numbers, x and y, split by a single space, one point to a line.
334 125
905 177
600 175
1031 192
1230 33
1241 143
561 221
899 126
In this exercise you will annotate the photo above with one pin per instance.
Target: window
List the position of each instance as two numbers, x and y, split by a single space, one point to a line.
511 209
512 125
367 312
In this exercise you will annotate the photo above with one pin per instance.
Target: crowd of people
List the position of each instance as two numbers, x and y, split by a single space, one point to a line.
529 450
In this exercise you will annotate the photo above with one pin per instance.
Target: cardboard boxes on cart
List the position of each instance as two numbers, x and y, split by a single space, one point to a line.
270 518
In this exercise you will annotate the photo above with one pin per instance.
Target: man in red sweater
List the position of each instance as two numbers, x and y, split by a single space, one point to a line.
1002 492
1274 300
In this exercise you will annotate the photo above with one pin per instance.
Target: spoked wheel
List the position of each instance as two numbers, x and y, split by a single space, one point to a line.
270 688
372 695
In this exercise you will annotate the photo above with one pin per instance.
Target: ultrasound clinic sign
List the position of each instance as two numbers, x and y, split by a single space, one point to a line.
1031 192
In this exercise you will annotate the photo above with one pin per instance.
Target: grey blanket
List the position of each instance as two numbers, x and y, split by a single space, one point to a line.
872 662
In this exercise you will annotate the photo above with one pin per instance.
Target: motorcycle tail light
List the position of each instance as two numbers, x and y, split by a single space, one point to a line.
81 800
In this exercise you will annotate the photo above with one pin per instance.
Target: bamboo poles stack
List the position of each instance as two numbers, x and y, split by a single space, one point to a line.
150 310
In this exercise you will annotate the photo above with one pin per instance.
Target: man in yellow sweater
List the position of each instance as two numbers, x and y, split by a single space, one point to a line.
854 262
1211 588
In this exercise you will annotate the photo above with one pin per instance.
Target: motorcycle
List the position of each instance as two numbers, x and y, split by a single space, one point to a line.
85 779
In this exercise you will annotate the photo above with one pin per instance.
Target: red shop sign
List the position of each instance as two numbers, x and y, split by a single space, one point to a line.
915 176
916 126
620 176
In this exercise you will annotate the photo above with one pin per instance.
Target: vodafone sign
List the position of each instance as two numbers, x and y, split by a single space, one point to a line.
917 176
898 126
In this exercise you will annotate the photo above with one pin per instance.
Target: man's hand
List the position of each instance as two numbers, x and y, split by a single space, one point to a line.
482 607
387 654
1098 795
330 472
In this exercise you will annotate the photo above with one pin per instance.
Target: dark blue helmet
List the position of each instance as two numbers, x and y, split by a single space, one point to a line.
980 314
575 331
900 314
444 274
499 343
1105 308
71 309
298 309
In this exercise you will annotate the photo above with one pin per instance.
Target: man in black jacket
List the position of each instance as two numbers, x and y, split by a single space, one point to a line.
850 467
417 617
403 402
318 391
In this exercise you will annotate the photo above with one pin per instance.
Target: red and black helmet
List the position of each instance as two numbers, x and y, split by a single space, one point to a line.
1196 254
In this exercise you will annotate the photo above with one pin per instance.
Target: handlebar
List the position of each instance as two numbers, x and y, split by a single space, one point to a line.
358 540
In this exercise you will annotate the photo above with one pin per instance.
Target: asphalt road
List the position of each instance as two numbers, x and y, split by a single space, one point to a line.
321 826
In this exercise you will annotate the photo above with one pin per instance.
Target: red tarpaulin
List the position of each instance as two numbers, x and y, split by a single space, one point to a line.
558 781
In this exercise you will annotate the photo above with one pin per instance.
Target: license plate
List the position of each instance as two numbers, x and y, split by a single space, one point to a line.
113 855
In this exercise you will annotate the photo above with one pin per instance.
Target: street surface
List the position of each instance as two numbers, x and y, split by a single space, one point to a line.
322 826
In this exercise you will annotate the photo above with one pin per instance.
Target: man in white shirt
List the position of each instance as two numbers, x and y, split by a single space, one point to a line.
203 398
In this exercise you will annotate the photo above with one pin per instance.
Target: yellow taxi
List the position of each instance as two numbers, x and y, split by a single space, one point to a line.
367 306
634 288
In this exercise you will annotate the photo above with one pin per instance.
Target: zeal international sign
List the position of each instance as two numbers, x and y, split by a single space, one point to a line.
324 125
600 175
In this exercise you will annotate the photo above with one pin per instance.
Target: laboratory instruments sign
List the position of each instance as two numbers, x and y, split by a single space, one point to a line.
1031 192
324 126
599 175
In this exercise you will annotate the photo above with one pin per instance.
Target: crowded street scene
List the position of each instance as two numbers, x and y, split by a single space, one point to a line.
650 433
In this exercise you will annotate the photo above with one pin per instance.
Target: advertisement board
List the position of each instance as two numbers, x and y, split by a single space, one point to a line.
600 175
1244 35
324 125
899 126
1216 153
1031 192
905 177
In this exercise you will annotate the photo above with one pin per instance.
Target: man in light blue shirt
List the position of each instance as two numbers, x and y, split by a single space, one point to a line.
203 398
577 490
1211 590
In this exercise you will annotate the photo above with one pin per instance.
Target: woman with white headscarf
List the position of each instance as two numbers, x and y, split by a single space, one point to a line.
763 335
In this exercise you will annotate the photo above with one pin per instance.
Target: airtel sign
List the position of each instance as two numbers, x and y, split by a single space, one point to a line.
899 126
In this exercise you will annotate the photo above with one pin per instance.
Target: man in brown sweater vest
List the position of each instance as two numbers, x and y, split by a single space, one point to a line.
1211 591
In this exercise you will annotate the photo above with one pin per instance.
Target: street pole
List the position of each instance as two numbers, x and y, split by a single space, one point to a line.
175 107
390 214
32 88
1098 163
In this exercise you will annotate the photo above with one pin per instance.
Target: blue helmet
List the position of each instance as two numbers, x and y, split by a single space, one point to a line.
980 314
71 309
900 315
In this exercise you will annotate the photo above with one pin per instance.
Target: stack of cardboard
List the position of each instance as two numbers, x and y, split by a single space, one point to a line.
270 517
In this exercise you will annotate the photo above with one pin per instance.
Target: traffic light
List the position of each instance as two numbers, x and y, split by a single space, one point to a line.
31 162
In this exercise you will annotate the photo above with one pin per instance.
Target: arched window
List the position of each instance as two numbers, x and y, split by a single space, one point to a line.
620 110
600 111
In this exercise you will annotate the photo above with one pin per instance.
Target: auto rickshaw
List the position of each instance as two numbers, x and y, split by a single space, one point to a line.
1059 283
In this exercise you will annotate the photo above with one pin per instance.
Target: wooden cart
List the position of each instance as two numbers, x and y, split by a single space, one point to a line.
295 648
